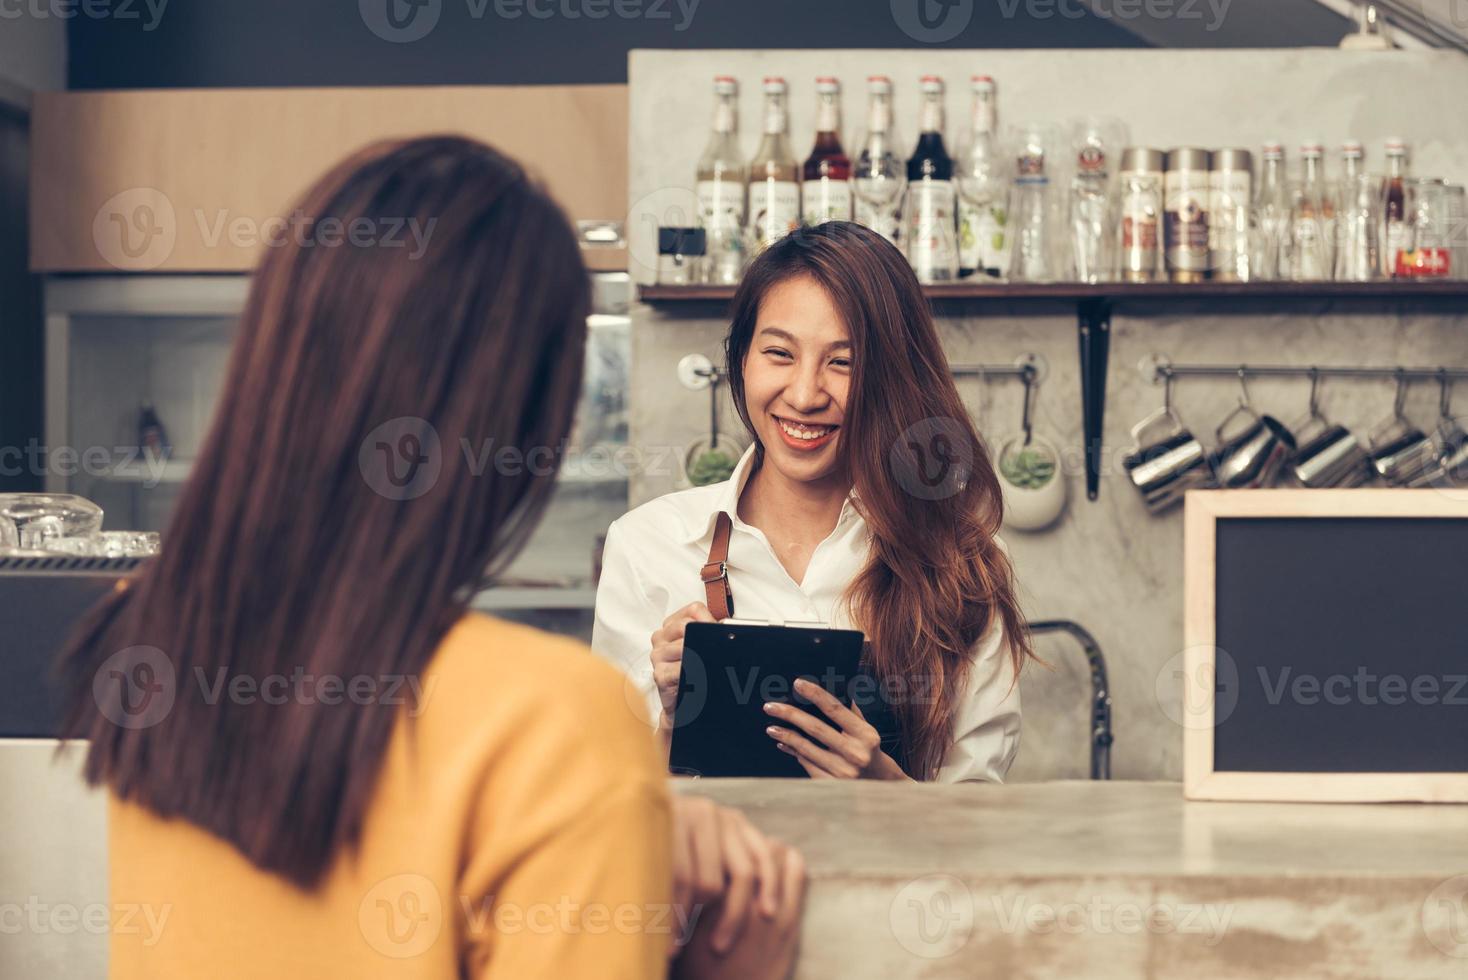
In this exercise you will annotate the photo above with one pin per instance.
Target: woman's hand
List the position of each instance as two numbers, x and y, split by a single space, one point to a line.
854 751
725 872
767 948
667 656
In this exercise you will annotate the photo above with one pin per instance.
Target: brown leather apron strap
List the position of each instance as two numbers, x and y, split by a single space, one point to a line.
715 573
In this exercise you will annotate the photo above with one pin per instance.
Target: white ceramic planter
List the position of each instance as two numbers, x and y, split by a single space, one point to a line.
1032 509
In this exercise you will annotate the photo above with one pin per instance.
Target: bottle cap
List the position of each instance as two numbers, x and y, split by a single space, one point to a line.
1142 159
931 84
1189 158
1353 149
1233 159
774 85
1312 148
1273 151
826 85
879 84
1396 145
726 85
982 83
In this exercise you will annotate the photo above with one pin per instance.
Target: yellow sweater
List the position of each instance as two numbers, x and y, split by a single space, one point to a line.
520 830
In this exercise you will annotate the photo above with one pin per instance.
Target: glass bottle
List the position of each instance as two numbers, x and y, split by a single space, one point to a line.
1396 227
774 176
879 178
930 231
721 187
1091 205
1310 239
983 190
1357 257
826 188
1030 259
1270 223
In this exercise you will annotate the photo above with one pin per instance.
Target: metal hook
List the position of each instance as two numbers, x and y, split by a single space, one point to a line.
1314 392
1167 379
1445 393
1244 388
1400 404
1027 375
715 376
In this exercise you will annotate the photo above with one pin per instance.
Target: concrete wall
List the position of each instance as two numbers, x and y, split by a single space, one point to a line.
1108 564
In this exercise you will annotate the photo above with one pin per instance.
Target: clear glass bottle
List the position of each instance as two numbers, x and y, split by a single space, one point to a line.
826 187
880 174
774 176
1031 259
1269 225
1396 218
1091 204
930 229
721 188
983 190
1357 255
1309 234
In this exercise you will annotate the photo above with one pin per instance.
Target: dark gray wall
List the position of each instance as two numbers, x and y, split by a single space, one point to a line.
22 361
330 42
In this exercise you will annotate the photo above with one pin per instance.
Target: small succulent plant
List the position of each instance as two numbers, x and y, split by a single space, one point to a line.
1028 469
711 466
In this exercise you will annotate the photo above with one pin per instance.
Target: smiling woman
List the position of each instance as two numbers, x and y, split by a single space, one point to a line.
866 501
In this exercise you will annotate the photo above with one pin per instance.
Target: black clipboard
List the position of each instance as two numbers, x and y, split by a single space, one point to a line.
730 670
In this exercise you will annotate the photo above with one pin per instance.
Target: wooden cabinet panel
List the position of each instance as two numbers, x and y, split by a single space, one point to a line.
186 181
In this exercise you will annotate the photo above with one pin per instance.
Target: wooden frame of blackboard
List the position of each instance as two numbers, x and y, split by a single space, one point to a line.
1202 511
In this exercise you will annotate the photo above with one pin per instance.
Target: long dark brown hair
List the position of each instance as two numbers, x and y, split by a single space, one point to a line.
335 524
937 579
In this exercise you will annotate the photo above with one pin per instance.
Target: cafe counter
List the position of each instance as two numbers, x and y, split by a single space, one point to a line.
1113 880
1095 880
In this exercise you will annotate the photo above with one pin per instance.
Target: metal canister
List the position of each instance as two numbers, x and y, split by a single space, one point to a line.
1230 192
1185 220
1141 213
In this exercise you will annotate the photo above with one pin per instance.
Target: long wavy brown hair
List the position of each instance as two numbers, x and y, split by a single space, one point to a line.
937 579
335 524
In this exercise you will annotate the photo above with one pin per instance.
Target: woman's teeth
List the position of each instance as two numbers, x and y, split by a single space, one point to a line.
799 430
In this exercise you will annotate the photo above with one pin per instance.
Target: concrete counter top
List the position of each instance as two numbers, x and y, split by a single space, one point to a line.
1100 880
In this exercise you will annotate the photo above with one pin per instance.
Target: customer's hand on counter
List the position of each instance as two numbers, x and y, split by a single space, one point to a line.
752 890
852 751
724 870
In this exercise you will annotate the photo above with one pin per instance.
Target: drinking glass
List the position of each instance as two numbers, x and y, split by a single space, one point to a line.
1457 221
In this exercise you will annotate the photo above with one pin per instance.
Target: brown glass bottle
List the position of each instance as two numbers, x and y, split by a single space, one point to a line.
1396 231
826 194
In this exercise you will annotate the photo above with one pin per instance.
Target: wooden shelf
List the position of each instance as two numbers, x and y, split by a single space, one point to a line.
1118 292
1094 303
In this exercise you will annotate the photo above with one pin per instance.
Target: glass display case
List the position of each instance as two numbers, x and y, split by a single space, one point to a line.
125 352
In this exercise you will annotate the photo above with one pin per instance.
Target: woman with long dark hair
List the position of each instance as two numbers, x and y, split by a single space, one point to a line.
320 765
866 500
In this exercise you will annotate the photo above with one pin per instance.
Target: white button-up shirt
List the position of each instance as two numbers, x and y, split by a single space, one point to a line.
650 569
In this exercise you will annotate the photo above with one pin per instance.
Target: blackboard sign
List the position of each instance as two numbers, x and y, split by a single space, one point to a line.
1327 645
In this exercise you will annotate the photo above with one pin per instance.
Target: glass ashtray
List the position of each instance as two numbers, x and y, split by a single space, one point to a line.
106 544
